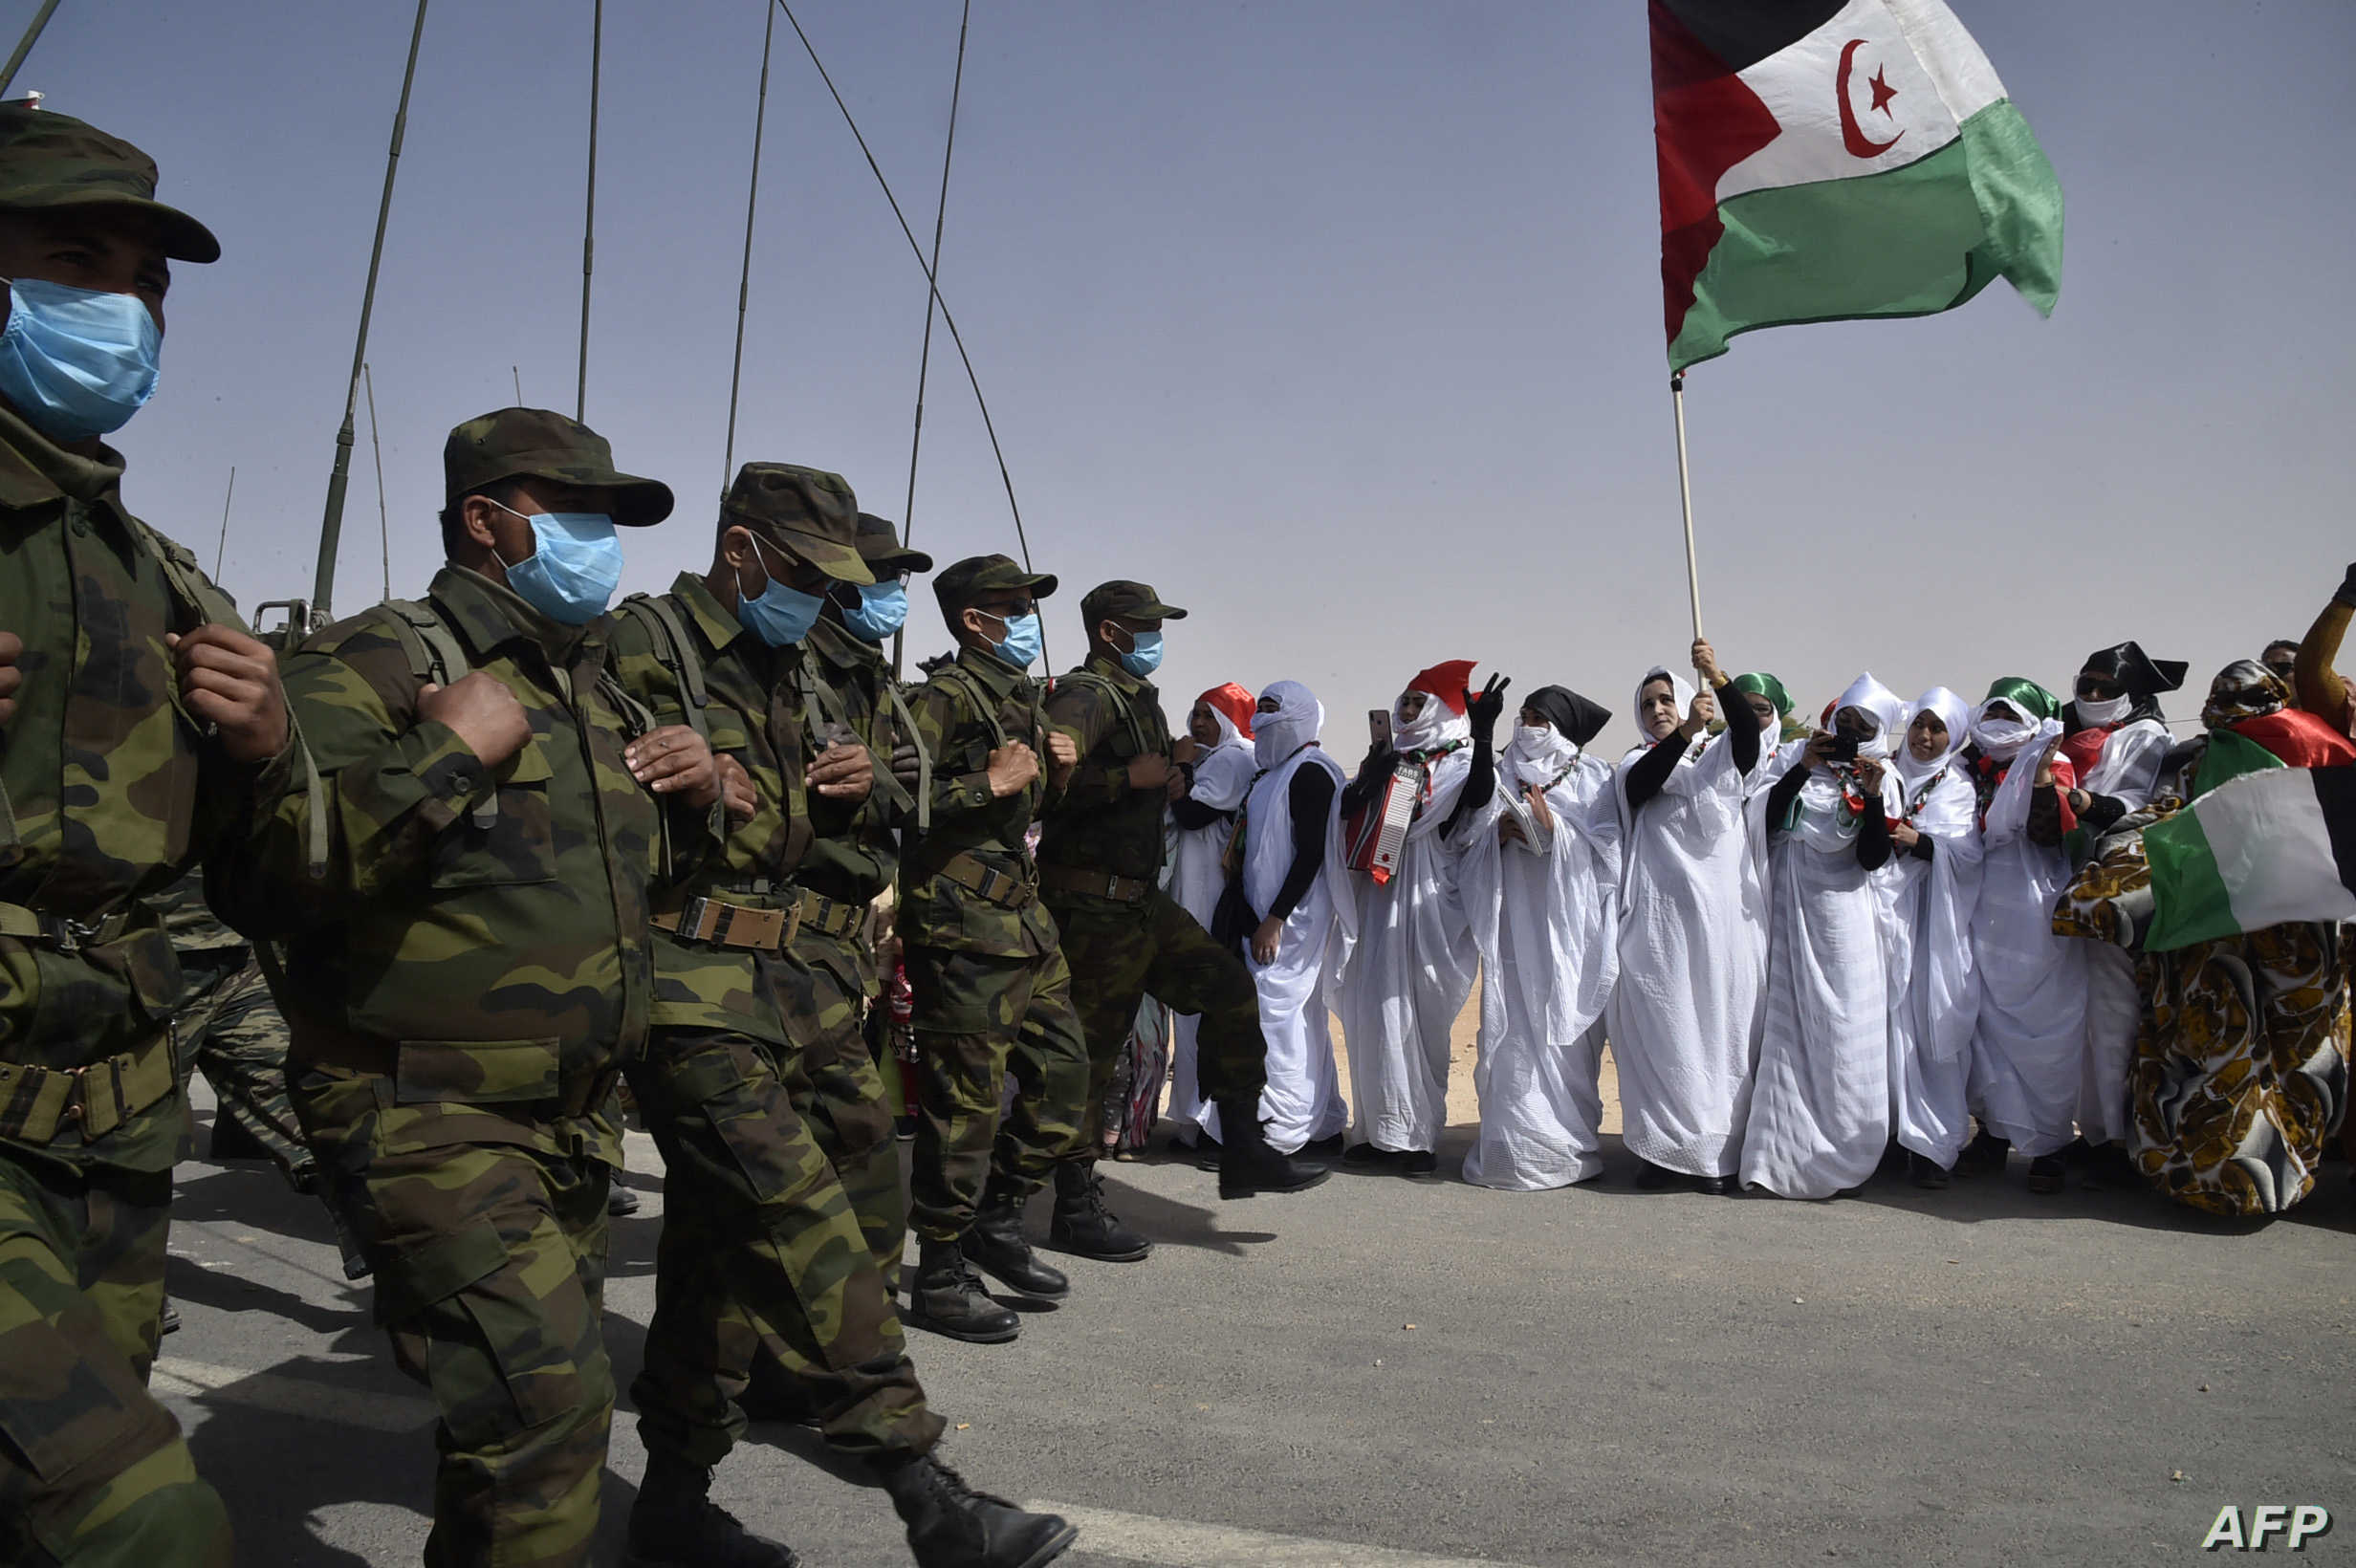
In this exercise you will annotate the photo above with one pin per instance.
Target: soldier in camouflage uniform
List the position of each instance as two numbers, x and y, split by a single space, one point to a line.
1124 936
229 1026
760 1249
140 727
991 992
468 966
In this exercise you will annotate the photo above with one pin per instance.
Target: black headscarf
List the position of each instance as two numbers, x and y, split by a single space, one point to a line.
1574 717
2142 677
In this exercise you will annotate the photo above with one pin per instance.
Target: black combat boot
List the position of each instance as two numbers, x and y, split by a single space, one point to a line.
1083 1225
950 1525
997 1246
1247 1165
947 1299
675 1524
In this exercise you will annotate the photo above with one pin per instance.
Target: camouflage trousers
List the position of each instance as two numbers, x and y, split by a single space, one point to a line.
759 1255
230 1027
490 1277
838 1089
1122 954
92 1471
977 1019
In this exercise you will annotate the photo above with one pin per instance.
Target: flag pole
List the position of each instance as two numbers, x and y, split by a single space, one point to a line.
589 218
1685 493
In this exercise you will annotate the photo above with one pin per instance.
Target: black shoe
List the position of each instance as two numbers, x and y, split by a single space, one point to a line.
675 1524
1984 1156
904 1128
1367 1157
947 1299
1652 1178
2045 1175
998 1248
1083 1225
950 1525
1207 1151
621 1201
167 1322
1248 1165
1419 1165
1716 1187
1324 1148
232 1140
1926 1173
355 1265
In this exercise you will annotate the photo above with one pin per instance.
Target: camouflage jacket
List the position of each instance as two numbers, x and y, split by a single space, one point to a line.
112 790
853 854
964 712
751 713
481 930
1098 822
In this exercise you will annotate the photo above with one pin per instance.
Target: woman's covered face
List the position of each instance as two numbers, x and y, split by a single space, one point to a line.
1926 738
1409 708
1657 705
1764 709
1855 724
1204 726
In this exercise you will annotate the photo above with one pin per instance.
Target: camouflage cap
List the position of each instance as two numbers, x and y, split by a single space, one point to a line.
1121 601
969 579
808 511
51 160
539 444
879 544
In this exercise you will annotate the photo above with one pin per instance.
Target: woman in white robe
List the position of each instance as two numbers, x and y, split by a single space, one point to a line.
1297 888
1684 1012
1540 880
2028 1044
1930 893
2115 738
1412 969
1219 776
1820 1110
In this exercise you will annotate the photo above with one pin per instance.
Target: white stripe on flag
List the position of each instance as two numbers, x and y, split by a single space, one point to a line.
2273 851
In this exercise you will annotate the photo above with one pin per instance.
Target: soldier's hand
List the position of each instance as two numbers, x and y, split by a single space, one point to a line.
1176 789
737 792
908 767
485 714
1062 751
12 677
1150 772
1186 749
843 771
1012 768
230 680
675 760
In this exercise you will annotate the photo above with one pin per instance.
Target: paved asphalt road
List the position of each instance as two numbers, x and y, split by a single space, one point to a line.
1385 1373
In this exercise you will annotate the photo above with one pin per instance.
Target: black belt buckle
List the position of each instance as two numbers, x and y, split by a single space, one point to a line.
67 935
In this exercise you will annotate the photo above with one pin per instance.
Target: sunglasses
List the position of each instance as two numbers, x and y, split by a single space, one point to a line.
2095 689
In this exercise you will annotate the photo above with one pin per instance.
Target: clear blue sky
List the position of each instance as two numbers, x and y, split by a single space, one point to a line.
1338 320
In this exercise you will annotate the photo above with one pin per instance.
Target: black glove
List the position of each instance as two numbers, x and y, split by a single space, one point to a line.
1483 707
2348 587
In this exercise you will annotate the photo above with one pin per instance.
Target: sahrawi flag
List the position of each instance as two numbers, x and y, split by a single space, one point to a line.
2275 845
1828 161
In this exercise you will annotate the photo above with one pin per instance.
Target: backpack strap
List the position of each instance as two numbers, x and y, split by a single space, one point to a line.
1120 700
923 757
976 698
435 658
686 665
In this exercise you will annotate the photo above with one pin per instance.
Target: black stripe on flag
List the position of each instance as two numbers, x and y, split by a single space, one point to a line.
2335 794
1742 32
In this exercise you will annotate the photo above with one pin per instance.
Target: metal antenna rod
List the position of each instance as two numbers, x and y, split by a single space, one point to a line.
589 223
331 522
385 521
222 550
516 371
743 278
24 45
932 300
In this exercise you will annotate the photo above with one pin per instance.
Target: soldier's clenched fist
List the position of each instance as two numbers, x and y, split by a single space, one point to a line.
675 760
1012 768
485 714
12 676
231 682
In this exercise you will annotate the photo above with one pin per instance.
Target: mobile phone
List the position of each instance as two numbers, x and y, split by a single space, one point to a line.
1843 749
1378 726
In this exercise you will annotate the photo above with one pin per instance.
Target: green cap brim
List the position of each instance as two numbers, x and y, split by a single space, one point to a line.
897 560
184 239
638 503
840 561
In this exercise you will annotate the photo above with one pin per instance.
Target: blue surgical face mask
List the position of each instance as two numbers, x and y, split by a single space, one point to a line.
881 610
77 363
1144 655
574 568
1020 646
777 615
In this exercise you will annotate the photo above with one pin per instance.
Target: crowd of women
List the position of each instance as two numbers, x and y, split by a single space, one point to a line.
1811 946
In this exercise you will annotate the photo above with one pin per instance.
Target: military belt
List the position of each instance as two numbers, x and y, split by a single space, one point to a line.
65 935
48 1104
830 917
987 882
313 1043
1100 884
726 924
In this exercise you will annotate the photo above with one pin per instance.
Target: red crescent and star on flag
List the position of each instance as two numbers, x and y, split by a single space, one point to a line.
1853 136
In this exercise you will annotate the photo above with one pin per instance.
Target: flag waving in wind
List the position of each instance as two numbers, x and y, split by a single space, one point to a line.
1822 161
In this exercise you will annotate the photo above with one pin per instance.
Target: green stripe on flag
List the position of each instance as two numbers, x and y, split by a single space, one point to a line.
2229 756
2190 900
1913 241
